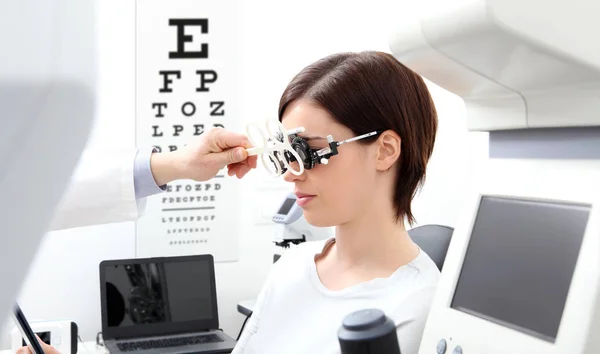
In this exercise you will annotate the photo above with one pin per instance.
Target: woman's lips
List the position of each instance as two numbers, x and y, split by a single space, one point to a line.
303 199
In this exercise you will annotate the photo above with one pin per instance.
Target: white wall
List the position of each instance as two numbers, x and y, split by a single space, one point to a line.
279 39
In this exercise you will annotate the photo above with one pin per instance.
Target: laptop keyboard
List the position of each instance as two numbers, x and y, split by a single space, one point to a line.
168 342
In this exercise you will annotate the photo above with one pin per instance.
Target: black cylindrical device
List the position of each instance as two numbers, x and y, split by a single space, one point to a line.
368 331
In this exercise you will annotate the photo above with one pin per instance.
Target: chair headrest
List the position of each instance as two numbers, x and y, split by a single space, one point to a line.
434 240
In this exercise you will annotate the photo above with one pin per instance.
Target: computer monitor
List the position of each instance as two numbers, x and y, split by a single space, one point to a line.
521 276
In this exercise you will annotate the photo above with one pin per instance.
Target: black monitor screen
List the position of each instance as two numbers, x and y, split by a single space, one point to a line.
519 263
158 293
287 205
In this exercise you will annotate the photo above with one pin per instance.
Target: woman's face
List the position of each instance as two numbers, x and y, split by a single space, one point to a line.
343 189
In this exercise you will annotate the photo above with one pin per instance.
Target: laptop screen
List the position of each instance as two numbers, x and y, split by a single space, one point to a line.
158 296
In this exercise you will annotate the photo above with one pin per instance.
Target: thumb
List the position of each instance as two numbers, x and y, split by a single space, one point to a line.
229 156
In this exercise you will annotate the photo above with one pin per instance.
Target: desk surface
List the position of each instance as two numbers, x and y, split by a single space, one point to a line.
82 348
244 307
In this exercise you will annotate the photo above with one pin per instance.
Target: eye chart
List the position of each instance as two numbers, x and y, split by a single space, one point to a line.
187 80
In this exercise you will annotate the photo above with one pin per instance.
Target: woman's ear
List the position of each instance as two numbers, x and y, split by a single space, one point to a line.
388 150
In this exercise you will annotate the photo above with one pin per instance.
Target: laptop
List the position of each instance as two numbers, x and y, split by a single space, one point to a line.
161 305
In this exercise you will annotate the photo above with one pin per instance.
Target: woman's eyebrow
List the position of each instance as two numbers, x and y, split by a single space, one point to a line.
311 137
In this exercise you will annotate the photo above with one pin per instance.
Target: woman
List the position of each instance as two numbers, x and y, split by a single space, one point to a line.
365 192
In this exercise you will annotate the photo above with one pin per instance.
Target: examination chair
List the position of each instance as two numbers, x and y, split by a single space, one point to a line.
433 240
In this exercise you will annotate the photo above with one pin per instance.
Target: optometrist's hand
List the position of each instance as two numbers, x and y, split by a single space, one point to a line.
204 157
48 349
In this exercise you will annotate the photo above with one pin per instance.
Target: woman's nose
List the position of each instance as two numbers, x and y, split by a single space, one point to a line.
288 176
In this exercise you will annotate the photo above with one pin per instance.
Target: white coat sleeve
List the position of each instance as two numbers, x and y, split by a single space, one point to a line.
101 191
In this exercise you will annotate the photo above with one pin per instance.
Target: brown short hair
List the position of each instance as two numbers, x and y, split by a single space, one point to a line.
369 91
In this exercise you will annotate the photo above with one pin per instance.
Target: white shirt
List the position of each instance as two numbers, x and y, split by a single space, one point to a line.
296 314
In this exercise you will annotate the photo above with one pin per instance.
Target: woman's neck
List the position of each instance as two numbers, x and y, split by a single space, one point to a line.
374 241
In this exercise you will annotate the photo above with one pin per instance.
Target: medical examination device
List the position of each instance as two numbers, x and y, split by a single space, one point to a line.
293 228
282 147
368 331
61 334
523 267
47 104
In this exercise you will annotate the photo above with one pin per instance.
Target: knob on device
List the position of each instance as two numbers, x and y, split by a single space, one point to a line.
368 331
